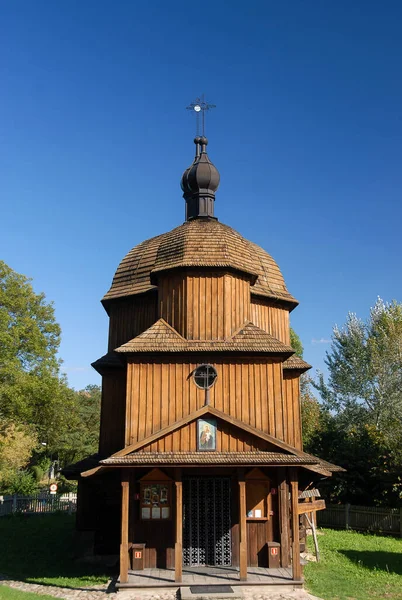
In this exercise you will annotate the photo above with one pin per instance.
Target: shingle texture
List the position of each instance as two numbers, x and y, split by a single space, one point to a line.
296 363
198 243
161 337
216 458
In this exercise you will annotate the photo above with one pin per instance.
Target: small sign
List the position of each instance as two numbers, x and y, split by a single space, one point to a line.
53 488
137 554
274 551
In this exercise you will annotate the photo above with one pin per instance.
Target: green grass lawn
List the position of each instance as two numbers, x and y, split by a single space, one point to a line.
356 566
40 549
7 593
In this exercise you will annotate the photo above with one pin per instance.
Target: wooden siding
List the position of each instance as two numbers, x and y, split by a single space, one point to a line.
292 421
204 306
228 439
130 317
159 394
113 412
271 318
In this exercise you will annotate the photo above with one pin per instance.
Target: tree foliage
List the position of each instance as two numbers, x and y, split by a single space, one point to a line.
16 445
36 403
365 371
360 426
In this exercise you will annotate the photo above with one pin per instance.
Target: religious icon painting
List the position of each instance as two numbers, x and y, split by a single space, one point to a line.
164 494
146 495
206 434
155 494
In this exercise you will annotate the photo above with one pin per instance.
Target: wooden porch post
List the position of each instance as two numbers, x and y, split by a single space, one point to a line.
178 547
296 566
243 527
125 492
284 515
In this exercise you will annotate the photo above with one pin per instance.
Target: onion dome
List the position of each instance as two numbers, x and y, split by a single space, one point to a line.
184 179
199 183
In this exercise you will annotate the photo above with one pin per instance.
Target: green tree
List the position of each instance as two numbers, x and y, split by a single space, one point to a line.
16 445
29 340
311 410
365 371
81 437
296 343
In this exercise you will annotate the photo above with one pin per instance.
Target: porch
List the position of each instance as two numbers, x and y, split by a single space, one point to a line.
211 576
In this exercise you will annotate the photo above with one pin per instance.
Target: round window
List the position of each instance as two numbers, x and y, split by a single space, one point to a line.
204 376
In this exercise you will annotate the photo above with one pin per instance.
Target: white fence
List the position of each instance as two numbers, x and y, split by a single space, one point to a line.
41 503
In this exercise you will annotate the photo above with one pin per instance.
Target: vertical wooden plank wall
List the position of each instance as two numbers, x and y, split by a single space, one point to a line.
250 392
291 400
204 306
271 318
113 412
131 316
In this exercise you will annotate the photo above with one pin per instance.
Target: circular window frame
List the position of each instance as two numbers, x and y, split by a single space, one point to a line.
208 387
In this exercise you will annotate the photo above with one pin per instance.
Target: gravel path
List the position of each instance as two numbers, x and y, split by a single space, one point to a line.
103 593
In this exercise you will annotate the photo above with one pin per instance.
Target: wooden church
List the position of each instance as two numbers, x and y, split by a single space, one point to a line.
200 461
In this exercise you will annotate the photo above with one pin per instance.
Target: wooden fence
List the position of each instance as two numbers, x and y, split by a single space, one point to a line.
42 503
361 518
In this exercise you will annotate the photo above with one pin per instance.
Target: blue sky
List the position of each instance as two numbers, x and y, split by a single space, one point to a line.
307 136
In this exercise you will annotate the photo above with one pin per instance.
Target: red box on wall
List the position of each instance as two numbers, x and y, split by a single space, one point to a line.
137 557
274 555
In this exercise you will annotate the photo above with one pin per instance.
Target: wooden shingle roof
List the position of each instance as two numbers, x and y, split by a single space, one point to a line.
296 363
198 243
209 458
161 337
111 360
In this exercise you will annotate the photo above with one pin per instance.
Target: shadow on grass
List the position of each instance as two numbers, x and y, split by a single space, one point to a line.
40 549
389 562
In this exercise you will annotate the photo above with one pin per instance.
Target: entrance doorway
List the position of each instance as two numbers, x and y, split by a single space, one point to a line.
207 536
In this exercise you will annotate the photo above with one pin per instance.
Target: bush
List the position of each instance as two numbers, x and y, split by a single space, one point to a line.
22 483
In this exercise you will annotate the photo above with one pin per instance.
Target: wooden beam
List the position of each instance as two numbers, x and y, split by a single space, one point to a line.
178 547
296 566
308 507
284 517
125 495
243 527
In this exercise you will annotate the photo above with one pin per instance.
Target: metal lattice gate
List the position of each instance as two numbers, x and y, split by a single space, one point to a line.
207 524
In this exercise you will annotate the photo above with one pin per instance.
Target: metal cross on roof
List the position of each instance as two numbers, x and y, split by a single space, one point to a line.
199 106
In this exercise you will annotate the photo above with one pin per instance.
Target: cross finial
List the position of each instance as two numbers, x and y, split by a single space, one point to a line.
200 105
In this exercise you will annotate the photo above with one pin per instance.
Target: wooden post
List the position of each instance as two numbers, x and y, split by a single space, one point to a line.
400 522
125 493
243 527
347 515
284 514
296 566
178 547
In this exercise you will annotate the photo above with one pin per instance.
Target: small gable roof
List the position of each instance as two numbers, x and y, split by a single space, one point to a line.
161 337
295 363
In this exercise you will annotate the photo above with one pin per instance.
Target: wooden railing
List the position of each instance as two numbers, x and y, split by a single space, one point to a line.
41 503
361 518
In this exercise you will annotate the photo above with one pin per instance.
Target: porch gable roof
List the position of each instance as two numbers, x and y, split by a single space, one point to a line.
288 452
